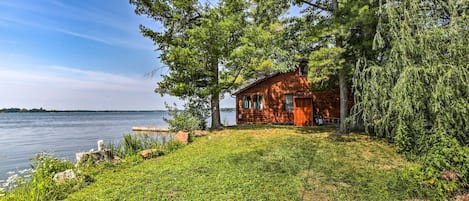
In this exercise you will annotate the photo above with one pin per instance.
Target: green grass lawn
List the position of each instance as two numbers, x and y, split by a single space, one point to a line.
261 163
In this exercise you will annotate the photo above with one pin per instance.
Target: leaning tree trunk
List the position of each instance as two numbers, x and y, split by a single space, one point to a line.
215 99
343 100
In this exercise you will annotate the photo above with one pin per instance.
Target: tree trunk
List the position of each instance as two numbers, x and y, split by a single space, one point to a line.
342 78
215 109
343 100
215 99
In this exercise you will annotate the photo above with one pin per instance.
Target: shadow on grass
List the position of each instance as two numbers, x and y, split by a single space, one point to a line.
258 126
300 130
341 138
314 129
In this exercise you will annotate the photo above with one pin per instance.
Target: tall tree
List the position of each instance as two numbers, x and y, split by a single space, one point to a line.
421 82
332 34
208 49
417 93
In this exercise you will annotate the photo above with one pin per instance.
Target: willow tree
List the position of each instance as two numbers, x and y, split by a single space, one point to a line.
332 34
416 93
208 49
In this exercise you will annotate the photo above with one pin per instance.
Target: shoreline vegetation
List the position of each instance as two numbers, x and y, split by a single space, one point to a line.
253 162
41 110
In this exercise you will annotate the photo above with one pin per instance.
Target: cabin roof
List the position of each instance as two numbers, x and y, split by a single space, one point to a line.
255 83
301 61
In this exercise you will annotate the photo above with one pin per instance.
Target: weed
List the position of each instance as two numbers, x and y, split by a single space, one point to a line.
42 185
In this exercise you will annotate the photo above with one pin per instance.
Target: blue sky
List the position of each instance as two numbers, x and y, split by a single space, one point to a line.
86 54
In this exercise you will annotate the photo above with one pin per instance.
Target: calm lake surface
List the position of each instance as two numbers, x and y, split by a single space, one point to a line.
22 135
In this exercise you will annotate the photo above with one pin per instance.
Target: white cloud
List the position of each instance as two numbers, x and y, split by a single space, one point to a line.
66 88
83 36
59 87
114 29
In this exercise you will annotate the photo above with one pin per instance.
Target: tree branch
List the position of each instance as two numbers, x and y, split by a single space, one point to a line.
316 5
228 87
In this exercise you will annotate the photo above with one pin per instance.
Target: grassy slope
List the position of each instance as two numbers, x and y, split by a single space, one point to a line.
260 163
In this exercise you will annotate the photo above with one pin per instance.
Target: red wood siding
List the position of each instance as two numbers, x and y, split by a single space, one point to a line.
273 91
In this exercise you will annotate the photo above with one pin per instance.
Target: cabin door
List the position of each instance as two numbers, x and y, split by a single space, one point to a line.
303 111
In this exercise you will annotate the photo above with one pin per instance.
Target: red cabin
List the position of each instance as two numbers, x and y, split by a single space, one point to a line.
285 98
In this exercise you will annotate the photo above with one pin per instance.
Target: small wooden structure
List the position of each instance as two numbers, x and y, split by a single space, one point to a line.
285 98
149 129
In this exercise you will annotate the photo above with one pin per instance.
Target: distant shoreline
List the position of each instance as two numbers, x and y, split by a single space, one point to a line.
18 110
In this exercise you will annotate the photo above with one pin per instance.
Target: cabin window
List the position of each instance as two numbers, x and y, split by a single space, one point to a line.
246 102
258 102
288 102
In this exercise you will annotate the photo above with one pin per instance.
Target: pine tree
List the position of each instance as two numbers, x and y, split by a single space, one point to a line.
332 34
209 49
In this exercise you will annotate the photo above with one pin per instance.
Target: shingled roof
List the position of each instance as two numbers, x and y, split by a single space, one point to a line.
255 83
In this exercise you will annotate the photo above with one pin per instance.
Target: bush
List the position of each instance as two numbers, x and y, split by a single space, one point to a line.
417 95
131 145
182 120
42 185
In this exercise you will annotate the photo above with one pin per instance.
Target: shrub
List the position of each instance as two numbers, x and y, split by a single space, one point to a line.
172 146
131 145
42 185
46 166
182 120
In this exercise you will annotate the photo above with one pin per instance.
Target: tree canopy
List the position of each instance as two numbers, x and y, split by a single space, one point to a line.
416 92
331 34
209 50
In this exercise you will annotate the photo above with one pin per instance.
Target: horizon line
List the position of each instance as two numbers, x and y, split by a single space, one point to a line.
12 110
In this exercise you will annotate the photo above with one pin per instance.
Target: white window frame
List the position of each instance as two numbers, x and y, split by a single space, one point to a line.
246 102
258 101
288 104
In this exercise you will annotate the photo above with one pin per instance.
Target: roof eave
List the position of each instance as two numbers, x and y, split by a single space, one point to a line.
254 84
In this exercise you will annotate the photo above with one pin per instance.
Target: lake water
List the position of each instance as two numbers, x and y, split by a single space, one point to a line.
22 135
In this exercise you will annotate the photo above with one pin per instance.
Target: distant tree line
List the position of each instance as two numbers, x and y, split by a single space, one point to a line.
14 110
17 110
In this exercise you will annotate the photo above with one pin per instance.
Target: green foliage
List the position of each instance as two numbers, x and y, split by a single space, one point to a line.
324 65
42 185
415 92
197 108
416 183
172 146
182 120
132 144
45 167
209 49
332 35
